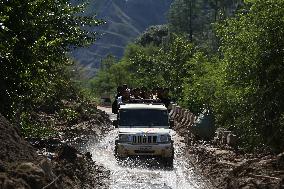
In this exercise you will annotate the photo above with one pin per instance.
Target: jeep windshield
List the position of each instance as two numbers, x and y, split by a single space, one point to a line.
143 118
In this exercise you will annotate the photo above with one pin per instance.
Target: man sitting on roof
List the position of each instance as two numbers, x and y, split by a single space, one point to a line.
124 98
165 97
135 95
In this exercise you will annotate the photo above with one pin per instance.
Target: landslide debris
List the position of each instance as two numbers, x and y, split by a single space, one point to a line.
228 166
233 169
52 163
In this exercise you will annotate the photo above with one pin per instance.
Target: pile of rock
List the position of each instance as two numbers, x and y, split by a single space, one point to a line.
22 167
227 168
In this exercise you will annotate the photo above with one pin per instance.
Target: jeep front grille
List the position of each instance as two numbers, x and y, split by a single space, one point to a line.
144 139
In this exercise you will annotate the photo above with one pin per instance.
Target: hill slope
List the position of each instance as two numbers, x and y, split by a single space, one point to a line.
126 19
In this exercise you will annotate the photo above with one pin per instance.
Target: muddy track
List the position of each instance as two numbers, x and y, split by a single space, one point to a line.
146 173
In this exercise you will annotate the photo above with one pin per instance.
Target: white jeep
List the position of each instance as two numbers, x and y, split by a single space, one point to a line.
144 130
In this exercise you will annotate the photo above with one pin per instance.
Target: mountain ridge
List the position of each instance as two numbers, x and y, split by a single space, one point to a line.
125 20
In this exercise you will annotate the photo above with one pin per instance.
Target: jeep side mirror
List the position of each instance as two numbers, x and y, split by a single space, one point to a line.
172 124
115 123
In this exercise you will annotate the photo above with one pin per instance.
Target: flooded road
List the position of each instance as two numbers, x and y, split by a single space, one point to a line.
145 173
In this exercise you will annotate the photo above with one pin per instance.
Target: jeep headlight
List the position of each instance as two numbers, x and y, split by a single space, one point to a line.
164 138
123 138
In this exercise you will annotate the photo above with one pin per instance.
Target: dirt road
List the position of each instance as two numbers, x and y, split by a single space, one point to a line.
146 173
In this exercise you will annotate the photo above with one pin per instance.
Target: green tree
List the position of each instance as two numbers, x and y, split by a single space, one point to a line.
35 38
164 66
202 82
110 75
181 17
252 46
153 35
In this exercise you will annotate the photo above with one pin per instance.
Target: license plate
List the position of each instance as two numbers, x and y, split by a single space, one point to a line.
146 148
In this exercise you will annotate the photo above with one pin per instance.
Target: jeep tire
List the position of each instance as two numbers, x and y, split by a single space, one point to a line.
169 161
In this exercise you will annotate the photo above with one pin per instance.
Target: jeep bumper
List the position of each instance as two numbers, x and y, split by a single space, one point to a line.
162 150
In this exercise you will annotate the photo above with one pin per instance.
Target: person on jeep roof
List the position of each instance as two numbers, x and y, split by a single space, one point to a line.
124 86
165 97
125 95
155 93
135 95
119 91
160 92
124 98
145 94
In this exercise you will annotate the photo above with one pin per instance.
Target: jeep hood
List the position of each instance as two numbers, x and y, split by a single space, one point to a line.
160 131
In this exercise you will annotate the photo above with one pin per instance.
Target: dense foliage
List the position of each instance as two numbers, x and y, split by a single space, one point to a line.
253 50
195 17
35 38
242 82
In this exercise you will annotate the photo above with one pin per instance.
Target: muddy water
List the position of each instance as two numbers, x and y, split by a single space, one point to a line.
136 173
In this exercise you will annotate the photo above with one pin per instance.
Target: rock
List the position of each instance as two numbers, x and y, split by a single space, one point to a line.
280 157
2 166
32 174
224 136
67 152
88 155
13 148
216 140
12 183
47 168
280 161
30 168
222 152
232 139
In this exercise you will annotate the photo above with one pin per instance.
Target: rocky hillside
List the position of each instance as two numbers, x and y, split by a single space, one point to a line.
126 19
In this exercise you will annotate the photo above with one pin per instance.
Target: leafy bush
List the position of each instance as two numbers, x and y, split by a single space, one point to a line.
36 125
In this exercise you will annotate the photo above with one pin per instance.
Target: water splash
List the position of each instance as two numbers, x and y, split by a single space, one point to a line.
134 173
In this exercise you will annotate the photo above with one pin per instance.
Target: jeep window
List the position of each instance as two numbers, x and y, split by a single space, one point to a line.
143 118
